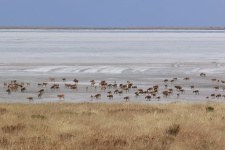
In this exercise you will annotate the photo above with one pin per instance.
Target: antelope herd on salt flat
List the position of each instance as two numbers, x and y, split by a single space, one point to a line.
149 93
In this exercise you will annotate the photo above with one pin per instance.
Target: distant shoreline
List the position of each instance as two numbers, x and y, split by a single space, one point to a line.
113 28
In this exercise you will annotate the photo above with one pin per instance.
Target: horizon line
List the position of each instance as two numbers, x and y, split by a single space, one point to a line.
112 28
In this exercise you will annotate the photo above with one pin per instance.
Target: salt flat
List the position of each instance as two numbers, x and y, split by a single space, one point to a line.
144 58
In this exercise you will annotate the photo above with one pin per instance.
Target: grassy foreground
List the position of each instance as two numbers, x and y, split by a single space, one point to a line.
173 126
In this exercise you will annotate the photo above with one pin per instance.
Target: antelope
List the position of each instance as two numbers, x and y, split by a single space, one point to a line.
213 80
45 84
218 96
137 94
207 97
165 93
103 89
192 87
64 79
23 89
97 96
175 79
148 97
127 98
223 96
213 95
5 84
61 96
120 92
39 95
28 84
109 92
76 81
216 88
187 79
116 91
40 84
223 81
110 96
30 98
182 91
158 98
223 88
134 87
196 92
202 74
114 85
52 79
166 80
8 91
178 95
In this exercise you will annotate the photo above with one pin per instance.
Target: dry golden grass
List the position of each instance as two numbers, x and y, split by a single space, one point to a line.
130 126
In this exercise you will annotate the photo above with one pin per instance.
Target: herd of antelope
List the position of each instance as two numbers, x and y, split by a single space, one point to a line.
120 89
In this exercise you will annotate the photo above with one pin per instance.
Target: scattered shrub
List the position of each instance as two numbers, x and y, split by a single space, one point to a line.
173 129
13 128
38 116
2 111
209 108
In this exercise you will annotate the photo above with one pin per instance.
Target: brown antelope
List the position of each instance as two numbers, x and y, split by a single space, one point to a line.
196 92
207 98
134 87
116 91
216 88
109 92
213 80
218 96
61 96
30 98
103 89
137 94
165 93
52 79
5 84
166 80
223 81
40 84
41 91
175 79
213 95
13 81
148 97
28 84
187 79
223 96
192 87
223 88
14 88
127 98
8 91
110 96
120 92
114 85
178 95
76 81
158 98
45 84
128 82
126 89
97 96
23 89
182 91
64 79
178 87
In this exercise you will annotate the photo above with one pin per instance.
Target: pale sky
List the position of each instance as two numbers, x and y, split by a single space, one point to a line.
113 13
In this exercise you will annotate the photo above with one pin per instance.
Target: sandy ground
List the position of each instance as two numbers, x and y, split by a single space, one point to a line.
143 80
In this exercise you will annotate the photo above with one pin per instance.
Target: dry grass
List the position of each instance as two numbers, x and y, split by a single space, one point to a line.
112 126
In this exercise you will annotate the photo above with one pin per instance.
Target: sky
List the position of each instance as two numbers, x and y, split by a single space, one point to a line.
113 13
